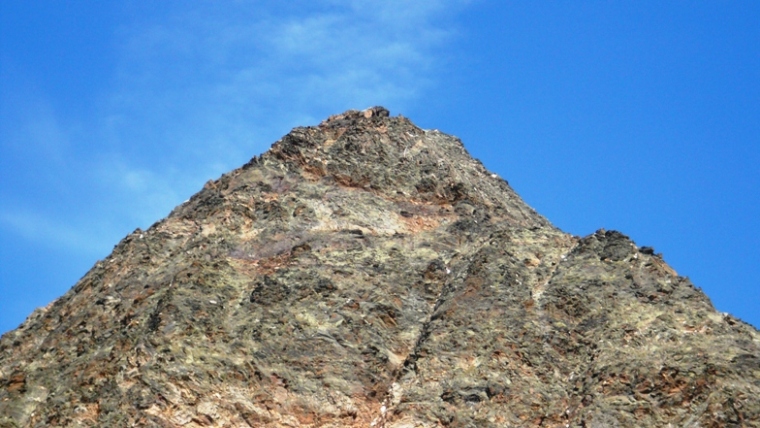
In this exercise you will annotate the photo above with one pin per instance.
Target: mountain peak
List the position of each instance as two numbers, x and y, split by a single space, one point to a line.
391 156
350 117
366 272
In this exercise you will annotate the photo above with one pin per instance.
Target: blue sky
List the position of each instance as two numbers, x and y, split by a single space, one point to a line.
638 116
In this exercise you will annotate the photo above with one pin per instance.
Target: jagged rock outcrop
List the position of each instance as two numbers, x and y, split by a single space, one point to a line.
366 272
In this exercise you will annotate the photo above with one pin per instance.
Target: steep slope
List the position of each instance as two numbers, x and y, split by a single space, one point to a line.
365 272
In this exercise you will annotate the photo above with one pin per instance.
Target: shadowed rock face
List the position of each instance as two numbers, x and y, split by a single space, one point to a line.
366 272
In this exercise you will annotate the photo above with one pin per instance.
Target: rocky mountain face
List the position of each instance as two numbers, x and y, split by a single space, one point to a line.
369 273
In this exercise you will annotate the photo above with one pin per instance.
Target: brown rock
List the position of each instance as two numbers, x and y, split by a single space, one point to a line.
366 272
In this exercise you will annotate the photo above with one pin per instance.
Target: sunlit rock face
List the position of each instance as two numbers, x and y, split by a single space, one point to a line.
366 272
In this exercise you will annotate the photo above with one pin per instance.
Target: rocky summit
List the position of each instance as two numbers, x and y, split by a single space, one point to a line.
368 273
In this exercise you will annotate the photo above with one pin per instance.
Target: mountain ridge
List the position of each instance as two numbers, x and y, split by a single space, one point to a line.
366 272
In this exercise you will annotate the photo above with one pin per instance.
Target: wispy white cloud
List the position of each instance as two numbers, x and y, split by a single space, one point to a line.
30 127
255 68
44 231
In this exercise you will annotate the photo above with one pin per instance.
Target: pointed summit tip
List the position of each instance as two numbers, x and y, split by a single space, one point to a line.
391 156
352 116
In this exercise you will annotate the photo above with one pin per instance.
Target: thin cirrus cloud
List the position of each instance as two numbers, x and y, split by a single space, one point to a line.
43 229
251 65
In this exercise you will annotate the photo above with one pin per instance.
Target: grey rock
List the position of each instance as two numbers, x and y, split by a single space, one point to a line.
366 272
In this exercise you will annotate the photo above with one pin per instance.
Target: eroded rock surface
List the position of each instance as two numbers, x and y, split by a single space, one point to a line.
366 272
